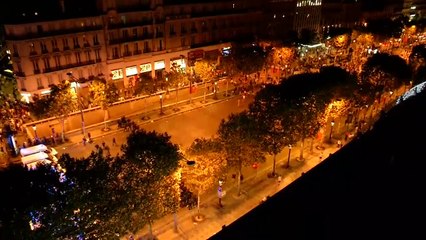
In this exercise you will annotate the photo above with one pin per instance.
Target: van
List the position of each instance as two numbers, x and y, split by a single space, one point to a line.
31 156
31 161
38 148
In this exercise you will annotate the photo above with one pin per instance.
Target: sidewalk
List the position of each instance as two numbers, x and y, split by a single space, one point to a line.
254 188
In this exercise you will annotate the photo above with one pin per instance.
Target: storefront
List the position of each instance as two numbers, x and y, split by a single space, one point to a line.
131 74
146 70
159 67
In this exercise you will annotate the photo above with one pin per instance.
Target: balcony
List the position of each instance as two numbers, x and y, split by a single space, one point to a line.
127 54
183 31
54 33
67 66
56 49
67 48
37 71
33 53
131 39
86 45
147 50
137 52
143 22
20 74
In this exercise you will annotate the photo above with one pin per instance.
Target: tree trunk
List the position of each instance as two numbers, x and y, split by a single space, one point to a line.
175 222
302 146
177 90
273 165
198 202
150 230
63 129
239 181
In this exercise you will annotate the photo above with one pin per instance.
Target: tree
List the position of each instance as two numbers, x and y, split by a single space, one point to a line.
272 124
63 101
281 56
149 158
238 136
9 99
417 62
209 164
383 73
145 84
204 70
176 78
248 59
103 94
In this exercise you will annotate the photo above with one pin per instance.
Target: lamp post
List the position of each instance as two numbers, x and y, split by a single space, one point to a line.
161 104
35 131
289 153
80 104
331 130
215 90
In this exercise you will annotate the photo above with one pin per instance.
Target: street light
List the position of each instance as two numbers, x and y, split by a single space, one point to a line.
35 131
83 129
161 104
331 130
215 90
289 153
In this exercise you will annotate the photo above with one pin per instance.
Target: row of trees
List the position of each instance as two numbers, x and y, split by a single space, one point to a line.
104 197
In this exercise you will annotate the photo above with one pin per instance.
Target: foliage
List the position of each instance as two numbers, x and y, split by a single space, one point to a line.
145 84
280 56
40 106
383 72
204 70
209 164
248 59
30 196
10 103
417 62
102 93
238 136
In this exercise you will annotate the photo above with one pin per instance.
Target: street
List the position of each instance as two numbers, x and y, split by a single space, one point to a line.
183 127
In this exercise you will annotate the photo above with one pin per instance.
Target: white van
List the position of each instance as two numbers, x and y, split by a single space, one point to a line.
38 154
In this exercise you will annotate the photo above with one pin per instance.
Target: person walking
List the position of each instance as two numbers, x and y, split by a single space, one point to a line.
113 142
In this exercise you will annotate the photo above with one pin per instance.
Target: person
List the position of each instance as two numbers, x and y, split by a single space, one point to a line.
89 136
84 141
103 145
320 157
113 142
339 144
279 179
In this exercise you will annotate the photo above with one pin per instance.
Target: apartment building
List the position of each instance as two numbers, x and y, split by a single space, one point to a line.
308 15
414 9
121 39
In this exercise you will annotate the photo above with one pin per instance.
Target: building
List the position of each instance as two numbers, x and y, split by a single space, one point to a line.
117 40
340 14
414 9
308 15
370 189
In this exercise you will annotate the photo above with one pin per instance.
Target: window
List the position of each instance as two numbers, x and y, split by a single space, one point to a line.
88 58
192 40
32 48
145 31
49 80
125 33
97 55
78 57
46 63
136 47
54 44
145 47
161 45
57 61
115 52
75 41
68 59
135 32
95 40
39 83
15 50
182 42
172 29
43 47
65 43
35 65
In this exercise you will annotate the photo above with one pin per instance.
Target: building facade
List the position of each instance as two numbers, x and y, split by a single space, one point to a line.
124 39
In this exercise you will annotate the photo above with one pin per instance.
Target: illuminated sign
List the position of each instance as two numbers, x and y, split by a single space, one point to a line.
117 74
130 71
146 67
179 63
159 65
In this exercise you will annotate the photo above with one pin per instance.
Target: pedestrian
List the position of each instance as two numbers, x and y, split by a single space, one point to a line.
339 144
89 136
320 157
103 145
113 142
84 141
279 180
